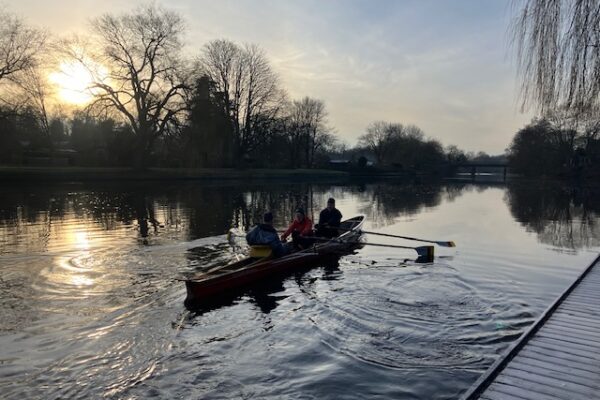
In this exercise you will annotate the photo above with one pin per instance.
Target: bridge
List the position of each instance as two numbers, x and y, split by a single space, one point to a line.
473 167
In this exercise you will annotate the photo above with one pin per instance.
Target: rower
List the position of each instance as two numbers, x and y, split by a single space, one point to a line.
265 234
300 228
329 220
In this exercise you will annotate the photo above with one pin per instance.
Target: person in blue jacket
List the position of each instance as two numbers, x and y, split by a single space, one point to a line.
265 234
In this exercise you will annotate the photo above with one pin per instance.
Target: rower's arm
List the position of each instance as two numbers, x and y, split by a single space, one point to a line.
287 232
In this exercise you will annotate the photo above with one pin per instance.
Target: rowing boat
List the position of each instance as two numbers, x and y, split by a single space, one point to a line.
206 286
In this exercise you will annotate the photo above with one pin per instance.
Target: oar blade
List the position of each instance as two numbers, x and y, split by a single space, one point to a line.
426 253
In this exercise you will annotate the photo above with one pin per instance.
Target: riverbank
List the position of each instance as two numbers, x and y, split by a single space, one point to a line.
20 174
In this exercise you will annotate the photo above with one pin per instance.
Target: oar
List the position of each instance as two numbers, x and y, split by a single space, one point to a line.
422 251
442 243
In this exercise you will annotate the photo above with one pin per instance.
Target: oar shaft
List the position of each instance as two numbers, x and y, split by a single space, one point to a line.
362 243
424 252
387 245
438 242
399 237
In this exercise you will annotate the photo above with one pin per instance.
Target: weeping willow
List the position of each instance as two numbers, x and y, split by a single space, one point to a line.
557 46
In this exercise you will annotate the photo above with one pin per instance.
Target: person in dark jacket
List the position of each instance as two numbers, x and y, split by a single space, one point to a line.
265 234
329 220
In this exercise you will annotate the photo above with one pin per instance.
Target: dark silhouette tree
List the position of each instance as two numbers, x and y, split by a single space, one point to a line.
533 150
454 155
208 136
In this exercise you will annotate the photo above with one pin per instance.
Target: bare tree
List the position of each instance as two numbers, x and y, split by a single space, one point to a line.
558 52
138 72
379 138
412 132
250 88
307 130
221 62
36 93
20 45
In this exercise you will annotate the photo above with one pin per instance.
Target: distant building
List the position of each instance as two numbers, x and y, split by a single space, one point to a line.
339 162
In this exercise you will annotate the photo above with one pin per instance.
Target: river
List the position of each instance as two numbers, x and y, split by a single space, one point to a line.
92 302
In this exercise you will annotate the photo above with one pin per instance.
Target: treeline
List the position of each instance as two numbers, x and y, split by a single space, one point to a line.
562 144
405 147
150 104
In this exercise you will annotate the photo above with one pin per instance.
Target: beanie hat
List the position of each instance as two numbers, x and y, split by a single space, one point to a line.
268 217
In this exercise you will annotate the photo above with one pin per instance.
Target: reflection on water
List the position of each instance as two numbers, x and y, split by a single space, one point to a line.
91 304
385 203
563 216
72 217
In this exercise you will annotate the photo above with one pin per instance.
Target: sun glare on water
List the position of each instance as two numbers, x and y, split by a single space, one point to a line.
73 82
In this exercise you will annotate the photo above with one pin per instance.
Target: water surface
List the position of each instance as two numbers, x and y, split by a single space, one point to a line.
91 301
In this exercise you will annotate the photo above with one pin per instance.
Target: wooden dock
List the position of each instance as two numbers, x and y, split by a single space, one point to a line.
556 358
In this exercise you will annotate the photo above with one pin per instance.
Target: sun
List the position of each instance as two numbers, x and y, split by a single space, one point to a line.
74 83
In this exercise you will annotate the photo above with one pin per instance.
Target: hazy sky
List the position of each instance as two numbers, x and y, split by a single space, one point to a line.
442 65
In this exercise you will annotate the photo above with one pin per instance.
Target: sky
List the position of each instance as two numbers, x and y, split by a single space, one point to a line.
445 66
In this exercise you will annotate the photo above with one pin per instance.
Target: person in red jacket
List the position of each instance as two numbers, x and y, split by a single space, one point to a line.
300 228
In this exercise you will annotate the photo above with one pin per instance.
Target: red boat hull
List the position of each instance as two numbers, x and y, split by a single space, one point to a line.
207 288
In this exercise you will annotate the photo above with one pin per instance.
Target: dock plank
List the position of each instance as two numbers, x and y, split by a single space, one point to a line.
569 337
542 353
576 337
586 293
541 388
517 392
552 382
575 354
543 367
585 329
568 317
581 306
492 394
582 309
560 325
582 297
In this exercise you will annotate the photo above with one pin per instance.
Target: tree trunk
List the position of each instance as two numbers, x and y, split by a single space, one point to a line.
141 152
